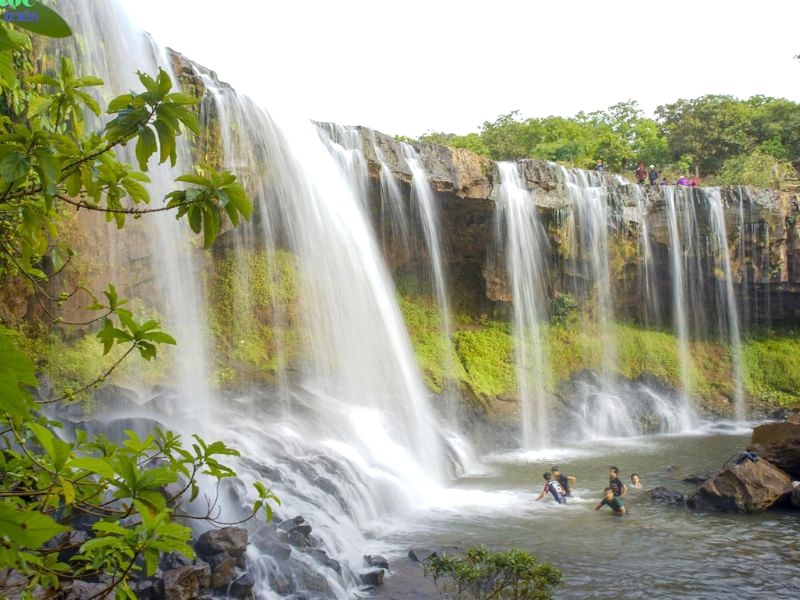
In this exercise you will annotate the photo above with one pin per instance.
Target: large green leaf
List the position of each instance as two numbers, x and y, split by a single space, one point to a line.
29 529
49 22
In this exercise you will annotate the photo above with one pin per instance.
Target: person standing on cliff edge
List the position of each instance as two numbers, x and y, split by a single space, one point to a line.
600 166
641 174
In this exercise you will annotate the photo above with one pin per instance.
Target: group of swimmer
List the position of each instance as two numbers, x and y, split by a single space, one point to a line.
558 486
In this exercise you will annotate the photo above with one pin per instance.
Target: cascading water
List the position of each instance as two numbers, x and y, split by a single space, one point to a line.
588 194
107 45
520 233
679 301
422 197
720 235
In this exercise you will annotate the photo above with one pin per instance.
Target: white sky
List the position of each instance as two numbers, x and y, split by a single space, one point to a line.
405 67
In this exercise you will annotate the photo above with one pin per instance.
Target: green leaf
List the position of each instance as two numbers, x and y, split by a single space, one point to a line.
119 103
166 139
28 528
161 338
14 165
145 146
12 40
17 376
95 465
45 437
49 23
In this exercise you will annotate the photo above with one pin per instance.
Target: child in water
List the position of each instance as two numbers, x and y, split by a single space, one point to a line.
554 488
612 501
636 481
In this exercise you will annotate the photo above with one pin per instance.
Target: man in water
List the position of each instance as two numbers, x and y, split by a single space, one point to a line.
615 484
566 481
555 489
612 501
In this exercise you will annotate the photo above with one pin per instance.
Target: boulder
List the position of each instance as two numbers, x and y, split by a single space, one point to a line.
185 583
12 583
372 577
667 496
322 557
223 569
150 588
420 554
230 540
242 586
290 524
779 443
376 561
84 590
746 488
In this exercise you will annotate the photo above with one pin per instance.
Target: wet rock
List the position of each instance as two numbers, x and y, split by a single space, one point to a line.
242 587
779 443
173 560
12 583
421 554
667 496
290 524
150 588
298 540
280 583
698 478
372 577
322 557
747 488
276 549
231 540
376 561
794 499
114 429
223 569
185 583
304 530
314 582
85 590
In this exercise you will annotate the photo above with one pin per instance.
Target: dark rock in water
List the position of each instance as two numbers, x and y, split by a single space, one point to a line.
372 577
275 548
314 582
779 443
376 561
241 561
231 540
794 499
185 583
280 583
223 569
242 587
746 488
165 403
303 529
151 588
697 479
173 560
290 524
420 554
298 540
322 557
667 496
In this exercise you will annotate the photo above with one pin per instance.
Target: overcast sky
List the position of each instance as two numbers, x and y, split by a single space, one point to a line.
406 67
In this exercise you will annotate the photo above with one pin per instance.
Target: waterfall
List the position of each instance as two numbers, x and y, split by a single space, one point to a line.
105 44
648 292
679 302
720 234
520 233
423 198
588 195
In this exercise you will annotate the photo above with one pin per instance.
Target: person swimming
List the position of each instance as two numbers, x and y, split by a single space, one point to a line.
554 488
636 481
612 501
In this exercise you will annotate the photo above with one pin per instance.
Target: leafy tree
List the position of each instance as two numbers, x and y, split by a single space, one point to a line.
483 575
758 168
50 161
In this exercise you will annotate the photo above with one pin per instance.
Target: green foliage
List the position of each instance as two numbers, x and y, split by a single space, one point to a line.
702 133
757 168
482 575
487 354
133 491
253 300
772 367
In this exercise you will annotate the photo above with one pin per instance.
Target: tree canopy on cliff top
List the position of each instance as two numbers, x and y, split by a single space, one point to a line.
734 141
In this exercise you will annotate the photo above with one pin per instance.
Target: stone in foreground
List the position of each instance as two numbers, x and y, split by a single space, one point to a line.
750 487
779 443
